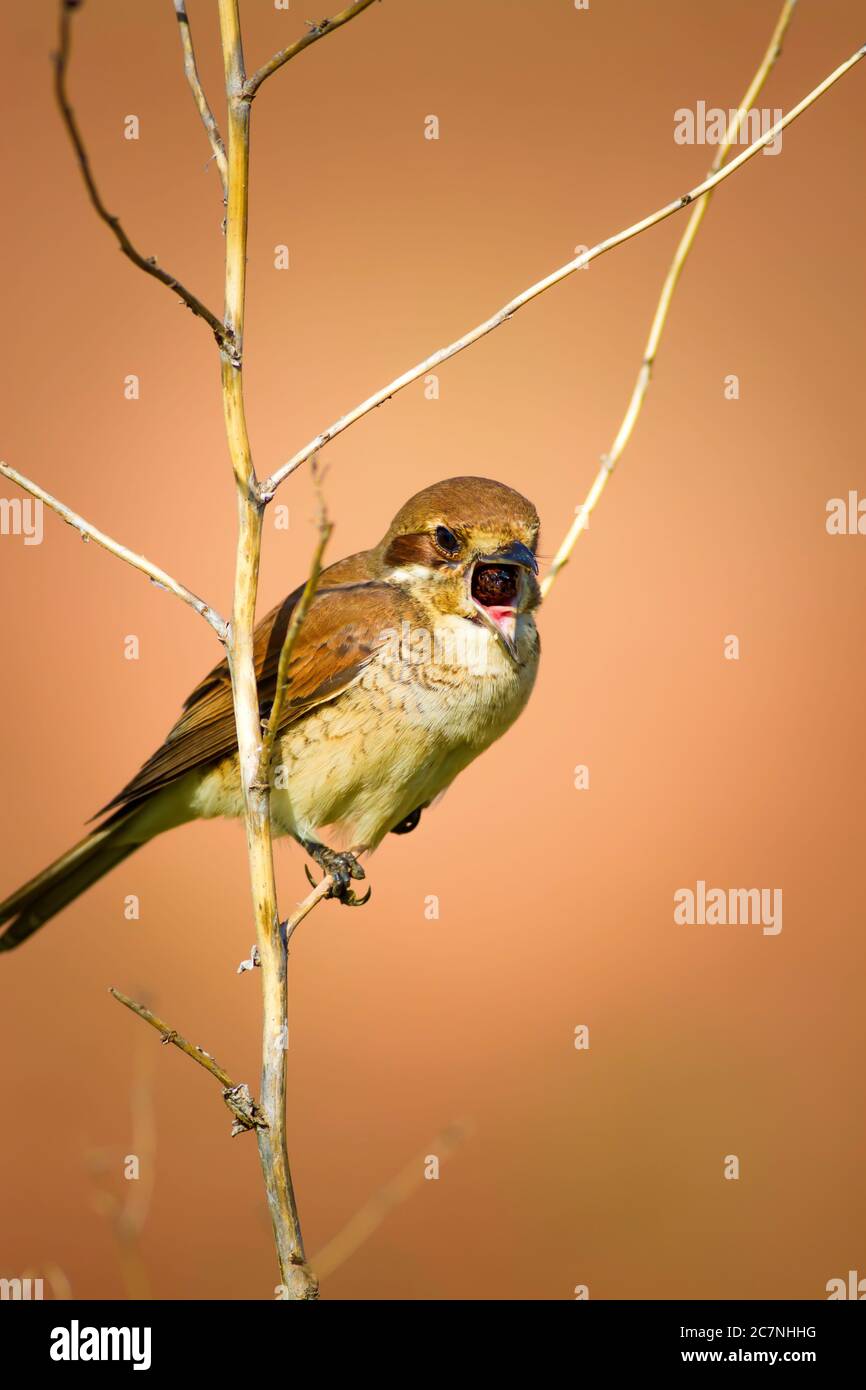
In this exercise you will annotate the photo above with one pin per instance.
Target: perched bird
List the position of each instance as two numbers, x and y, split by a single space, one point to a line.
413 658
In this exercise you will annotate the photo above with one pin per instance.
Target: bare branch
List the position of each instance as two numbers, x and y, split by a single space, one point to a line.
301 609
316 32
208 119
270 485
92 533
148 264
644 376
246 1112
296 1275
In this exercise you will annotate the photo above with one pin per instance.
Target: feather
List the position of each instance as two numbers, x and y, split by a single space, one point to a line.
343 629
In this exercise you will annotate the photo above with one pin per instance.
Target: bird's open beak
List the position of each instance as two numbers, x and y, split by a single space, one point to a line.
494 585
514 554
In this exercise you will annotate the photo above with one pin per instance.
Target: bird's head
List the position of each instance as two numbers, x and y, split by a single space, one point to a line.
465 547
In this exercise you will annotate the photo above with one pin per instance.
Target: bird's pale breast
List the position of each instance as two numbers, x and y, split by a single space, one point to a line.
416 716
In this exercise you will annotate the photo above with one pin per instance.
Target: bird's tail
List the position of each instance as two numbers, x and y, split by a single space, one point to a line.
44 896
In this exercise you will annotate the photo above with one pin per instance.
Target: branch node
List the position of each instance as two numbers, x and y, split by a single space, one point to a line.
316 29
247 1114
253 961
246 1111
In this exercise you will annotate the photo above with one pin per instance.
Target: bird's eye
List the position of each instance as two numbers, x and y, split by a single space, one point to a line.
446 540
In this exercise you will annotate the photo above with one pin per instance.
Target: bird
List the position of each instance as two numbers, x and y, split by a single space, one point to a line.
413 658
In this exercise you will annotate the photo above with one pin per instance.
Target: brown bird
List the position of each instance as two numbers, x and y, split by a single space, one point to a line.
413 658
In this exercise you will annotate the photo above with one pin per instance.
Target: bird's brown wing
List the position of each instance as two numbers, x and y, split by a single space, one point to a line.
344 627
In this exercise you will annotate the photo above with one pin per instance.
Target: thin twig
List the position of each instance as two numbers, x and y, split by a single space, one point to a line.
92 533
301 609
644 376
207 116
321 891
365 1222
246 1112
316 32
146 263
270 484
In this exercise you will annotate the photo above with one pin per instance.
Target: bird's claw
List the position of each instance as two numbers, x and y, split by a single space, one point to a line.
341 868
350 897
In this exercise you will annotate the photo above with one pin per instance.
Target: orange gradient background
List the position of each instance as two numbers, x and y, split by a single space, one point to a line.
601 1167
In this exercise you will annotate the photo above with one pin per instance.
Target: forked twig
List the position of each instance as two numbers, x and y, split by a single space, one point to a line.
270 484
247 1114
316 32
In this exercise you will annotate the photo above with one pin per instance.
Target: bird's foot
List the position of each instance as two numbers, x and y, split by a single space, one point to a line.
342 867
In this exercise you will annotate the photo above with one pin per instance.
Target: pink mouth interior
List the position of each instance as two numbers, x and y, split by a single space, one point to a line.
495 588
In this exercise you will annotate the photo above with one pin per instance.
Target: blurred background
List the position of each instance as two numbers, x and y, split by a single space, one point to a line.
601 1167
